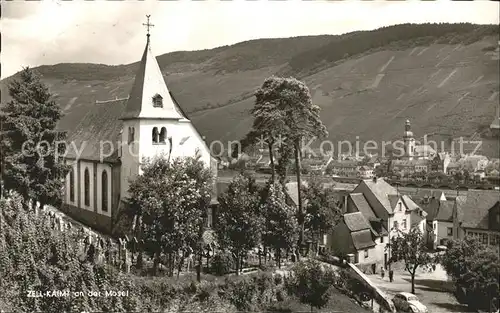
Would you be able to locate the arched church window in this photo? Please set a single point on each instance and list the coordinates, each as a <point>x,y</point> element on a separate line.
<point>86,183</point>
<point>129,140</point>
<point>132,134</point>
<point>163,134</point>
<point>72,185</point>
<point>158,101</point>
<point>155,134</point>
<point>104,194</point>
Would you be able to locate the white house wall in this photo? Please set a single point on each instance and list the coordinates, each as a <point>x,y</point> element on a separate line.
<point>399,216</point>
<point>440,229</point>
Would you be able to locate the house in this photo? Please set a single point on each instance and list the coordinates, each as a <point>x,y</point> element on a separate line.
<point>440,162</point>
<point>316,165</point>
<point>425,196</point>
<point>387,211</point>
<point>440,219</point>
<point>344,168</point>
<point>354,236</point>
<point>474,163</point>
<point>478,215</point>
<point>454,167</point>
<point>475,214</point>
<point>365,172</point>
<point>112,138</point>
<point>410,167</point>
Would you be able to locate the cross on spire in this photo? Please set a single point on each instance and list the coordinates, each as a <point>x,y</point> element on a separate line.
<point>148,25</point>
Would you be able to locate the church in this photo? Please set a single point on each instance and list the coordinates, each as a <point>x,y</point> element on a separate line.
<point>109,141</point>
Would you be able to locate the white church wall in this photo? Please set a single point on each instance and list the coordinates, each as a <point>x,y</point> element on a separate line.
<point>102,167</point>
<point>129,155</point>
<point>178,131</point>
<point>74,168</point>
<point>90,166</point>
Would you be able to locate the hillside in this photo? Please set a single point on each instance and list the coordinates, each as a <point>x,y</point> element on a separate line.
<point>444,77</point>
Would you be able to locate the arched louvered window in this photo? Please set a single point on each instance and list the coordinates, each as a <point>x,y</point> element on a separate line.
<point>72,185</point>
<point>163,134</point>
<point>131,134</point>
<point>155,134</point>
<point>104,193</point>
<point>86,183</point>
<point>158,101</point>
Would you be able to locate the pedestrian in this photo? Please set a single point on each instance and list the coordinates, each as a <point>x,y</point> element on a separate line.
<point>391,275</point>
<point>382,272</point>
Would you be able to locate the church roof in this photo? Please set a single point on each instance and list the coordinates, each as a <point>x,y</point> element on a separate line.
<point>88,128</point>
<point>149,83</point>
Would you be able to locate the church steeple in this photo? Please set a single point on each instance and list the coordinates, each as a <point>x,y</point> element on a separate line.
<point>149,97</point>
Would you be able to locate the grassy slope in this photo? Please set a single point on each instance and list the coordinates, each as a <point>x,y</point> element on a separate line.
<point>412,64</point>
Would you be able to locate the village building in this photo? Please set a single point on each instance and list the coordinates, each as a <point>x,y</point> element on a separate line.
<point>387,212</point>
<point>440,162</point>
<point>108,143</point>
<point>409,167</point>
<point>344,168</point>
<point>365,172</point>
<point>476,214</point>
<point>354,236</point>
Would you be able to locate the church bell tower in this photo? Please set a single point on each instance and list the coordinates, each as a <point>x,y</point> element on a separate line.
<point>409,141</point>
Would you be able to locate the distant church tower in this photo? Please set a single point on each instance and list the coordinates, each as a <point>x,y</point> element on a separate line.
<point>409,141</point>
<point>154,123</point>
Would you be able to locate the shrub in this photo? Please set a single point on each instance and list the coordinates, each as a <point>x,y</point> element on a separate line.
<point>310,283</point>
<point>222,264</point>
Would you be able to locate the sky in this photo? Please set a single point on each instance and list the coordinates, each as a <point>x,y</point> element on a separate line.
<point>111,32</point>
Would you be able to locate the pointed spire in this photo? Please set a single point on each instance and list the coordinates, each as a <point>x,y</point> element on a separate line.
<point>149,96</point>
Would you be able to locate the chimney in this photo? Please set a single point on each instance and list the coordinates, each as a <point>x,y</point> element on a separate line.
<point>345,204</point>
<point>374,179</point>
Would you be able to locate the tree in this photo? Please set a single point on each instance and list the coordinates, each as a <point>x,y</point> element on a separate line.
<point>474,269</point>
<point>171,200</point>
<point>322,212</point>
<point>268,119</point>
<point>239,223</point>
<point>310,282</point>
<point>280,230</point>
<point>411,248</point>
<point>31,146</point>
<point>290,100</point>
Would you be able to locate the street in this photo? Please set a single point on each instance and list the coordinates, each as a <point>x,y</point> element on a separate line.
<point>432,288</point>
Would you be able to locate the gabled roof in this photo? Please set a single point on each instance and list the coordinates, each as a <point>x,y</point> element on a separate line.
<point>445,211</point>
<point>362,239</point>
<point>381,190</point>
<point>473,208</point>
<point>356,221</point>
<point>410,204</point>
<point>87,128</point>
<point>393,199</point>
<point>363,206</point>
<point>148,83</point>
